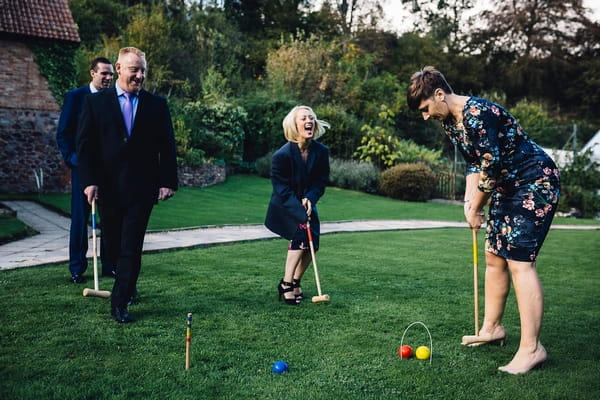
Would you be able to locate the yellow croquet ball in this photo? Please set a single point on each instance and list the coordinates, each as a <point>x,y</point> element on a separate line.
<point>422,352</point>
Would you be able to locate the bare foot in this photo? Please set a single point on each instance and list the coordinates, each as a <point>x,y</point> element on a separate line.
<point>497,335</point>
<point>525,361</point>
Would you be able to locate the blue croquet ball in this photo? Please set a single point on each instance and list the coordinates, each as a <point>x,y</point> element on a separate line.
<point>279,367</point>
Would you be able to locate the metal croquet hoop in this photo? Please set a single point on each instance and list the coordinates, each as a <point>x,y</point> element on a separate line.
<point>430,341</point>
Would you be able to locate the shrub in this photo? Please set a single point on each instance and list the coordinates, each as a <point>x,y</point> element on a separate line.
<point>412,182</point>
<point>186,155</point>
<point>381,146</point>
<point>344,135</point>
<point>354,175</point>
<point>263,165</point>
<point>539,125</point>
<point>216,128</point>
<point>263,130</point>
<point>580,182</point>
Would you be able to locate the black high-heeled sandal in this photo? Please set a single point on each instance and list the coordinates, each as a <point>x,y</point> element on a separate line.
<point>290,288</point>
<point>296,285</point>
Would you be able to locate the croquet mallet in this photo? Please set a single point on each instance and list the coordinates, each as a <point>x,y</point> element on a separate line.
<point>321,297</point>
<point>475,282</point>
<point>95,292</point>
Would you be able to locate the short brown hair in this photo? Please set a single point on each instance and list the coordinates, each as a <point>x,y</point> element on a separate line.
<point>423,84</point>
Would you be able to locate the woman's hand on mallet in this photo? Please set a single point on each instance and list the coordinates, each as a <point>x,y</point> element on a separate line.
<point>306,204</point>
<point>475,218</point>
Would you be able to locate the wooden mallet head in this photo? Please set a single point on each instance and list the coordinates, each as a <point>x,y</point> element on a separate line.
<point>320,299</point>
<point>105,294</point>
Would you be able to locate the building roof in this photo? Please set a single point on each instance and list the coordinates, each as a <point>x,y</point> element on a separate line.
<point>50,19</point>
<point>594,146</point>
<point>563,158</point>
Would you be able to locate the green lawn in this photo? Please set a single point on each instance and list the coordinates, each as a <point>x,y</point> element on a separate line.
<point>243,199</point>
<point>56,344</point>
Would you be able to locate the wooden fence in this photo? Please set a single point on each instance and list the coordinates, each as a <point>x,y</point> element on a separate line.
<point>449,186</point>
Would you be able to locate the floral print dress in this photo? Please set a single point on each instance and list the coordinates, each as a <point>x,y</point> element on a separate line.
<point>523,179</point>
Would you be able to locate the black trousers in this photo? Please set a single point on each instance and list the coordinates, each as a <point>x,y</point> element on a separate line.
<point>125,228</point>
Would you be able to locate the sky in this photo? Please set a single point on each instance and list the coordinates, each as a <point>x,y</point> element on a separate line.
<point>399,21</point>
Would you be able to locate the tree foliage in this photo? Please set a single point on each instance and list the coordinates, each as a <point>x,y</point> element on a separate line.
<point>98,18</point>
<point>381,147</point>
<point>217,128</point>
<point>534,47</point>
<point>443,20</point>
<point>255,59</point>
<point>56,62</point>
<point>580,183</point>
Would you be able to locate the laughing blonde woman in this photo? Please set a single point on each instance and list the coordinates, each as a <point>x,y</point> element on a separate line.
<point>299,175</point>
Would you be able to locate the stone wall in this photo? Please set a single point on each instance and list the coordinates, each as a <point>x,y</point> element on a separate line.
<point>28,119</point>
<point>28,147</point>
<point>201,176</point>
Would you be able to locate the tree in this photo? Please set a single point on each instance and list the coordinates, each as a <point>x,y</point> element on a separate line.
<point>357,14</point>
<point>220,45</point>
<point>98,18</point>
<point>533,28</point>
<point>263,23</point>
<point>442,20</point>
<point>303,68</point>
<point>530,43</point>
<point>170,50</point>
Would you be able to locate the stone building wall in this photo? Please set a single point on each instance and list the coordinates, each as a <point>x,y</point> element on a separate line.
<point>28,119</point>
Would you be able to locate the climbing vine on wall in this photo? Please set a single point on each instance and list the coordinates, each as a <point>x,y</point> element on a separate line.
<point>56,61</point>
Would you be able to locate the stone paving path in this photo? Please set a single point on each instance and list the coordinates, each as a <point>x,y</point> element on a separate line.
<point>51,245</point>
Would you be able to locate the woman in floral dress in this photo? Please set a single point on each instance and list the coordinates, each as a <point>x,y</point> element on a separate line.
<point>521,183</point>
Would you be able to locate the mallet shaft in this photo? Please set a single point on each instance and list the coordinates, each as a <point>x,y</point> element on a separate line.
<point>321,297</point>
<point>95,292</point>
<point>188,341</point>
<point>94,249</point>
<point>475,283</point>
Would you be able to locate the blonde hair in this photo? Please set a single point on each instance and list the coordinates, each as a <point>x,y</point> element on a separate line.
<point>289,124</point>
<point>127,50</point>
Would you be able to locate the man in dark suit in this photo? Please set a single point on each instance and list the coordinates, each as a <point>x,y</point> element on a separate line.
<point>102,76</point>
<point>127,159</point>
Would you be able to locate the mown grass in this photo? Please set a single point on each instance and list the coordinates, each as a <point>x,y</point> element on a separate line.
<point>12,228</point>
<point>243,199</point>
<point>56,344</point>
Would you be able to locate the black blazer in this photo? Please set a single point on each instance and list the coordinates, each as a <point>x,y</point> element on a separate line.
<point>293,180</point>
<point>66,133</point>
<point>126,169</point>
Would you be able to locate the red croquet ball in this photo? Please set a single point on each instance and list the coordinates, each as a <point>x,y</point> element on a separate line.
<point>405,351</point>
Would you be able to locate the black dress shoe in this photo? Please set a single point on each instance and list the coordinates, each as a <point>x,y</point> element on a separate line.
<point>120,315</point>
<point>76,278</point>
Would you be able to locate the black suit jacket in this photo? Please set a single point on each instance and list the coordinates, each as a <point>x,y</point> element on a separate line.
<point>66,133</point>
<point>293,180</point>
<point>126,169</point>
